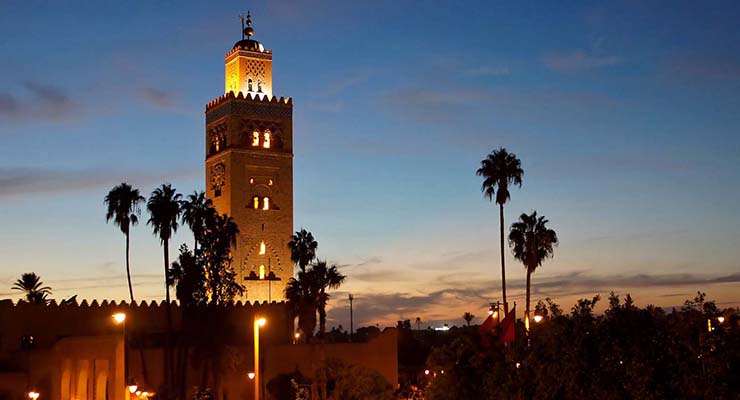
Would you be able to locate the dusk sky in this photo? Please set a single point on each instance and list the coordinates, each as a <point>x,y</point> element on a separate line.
<point>626,118</point>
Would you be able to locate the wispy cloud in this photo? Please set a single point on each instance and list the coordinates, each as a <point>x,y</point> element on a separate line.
<point>25,181</point>
<point>705,67</point>
<point>487,70</point>
<point>39,103</point>
<point>577,61</point>
<point>157,97</point>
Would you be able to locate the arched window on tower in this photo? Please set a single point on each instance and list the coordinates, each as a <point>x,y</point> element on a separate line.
<point>259,86</point>
<point>266,142</point>
<point>262,272</point>
<point>249,85</point>
<point>256,202</point>
<point>266,203</point>
<point>262,248</point>
<point>255,138</point>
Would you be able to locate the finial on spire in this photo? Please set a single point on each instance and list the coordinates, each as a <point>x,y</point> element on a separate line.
<point>249,31</point>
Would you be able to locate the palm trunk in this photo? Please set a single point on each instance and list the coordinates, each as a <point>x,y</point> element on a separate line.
<point>128,270</point>
<point>169,318</point>
<point>503,267</point>
<point>526,310</point>
<point>322,320</point>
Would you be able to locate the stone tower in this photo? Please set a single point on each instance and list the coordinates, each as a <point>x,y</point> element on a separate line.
<point>249,167</point>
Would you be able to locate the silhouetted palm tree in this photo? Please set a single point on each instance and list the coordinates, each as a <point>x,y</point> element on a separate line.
<point>324,277</point>
<point>302,298</point>
<point>418,323</point>
<point>303,248</point>
<point>195,210</point>
<point>123,208</point>
<point>31,285</point>
<point>532,243</point>
<point>500,169</point>
<point>468,317</point>
<point>164,211</point>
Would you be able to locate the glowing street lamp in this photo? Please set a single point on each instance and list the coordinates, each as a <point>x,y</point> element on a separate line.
<point>258,322</point>
<point>132,387</point>
<point>537,319</point>
<point>720,319</point>
<point>250,375</point>
<point>120,319</point>
<point>33,395</point>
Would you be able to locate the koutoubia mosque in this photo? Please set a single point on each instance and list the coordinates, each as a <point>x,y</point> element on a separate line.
<point>75,351</point>
<point>249,167</point>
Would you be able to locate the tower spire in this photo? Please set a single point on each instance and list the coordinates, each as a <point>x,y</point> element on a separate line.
<point>248,31</point>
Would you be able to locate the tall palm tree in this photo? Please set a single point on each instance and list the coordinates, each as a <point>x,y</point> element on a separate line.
<point>532,243</point>
<point>123,208</point>
<point>195,210</point>
<point>31,285</point>
<point>164,211</point>
<point>324,277</point>
<point>302,298</point>
<point>418,323</point>
<point>499,170</point>
<point>468,317</point>
<point>303,248</point>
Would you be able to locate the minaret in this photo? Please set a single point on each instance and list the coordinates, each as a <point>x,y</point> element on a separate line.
<point>249,167</point>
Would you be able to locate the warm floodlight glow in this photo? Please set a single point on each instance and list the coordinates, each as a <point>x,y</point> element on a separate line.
<point>255,139</point>
<point>266,142</point>
<point>262,272</point>
<point>426,372</point>
<point>266,203</point>
<point>251,375</point>
<point>262,248</point>
<point>260,322</point>
<point>490,312</point>
<point>33,395</point>
<point>119,317</point>
<point>132,388</point>
<point>721,319</point>
<point>537,318</point>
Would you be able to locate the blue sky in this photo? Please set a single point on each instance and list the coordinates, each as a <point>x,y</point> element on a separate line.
<point>626,118</point>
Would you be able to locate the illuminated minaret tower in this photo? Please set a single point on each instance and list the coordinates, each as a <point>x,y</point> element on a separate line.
<point>249,167</point>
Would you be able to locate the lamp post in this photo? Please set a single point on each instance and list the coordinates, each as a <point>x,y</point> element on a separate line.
<point>258,322</point>
<point>351,317</point>
<point>33,395</point>
<point>120,319</point>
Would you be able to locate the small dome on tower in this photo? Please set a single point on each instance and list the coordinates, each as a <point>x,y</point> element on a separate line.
<point>248,32</point>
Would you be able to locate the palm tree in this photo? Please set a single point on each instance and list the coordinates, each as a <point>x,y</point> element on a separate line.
<point>164,211</point>
<point>418,323</point>
<point>31,284</point>
<point>324,277</point>
<point>500,169</point>
<point>532,243</point>
<point>195,210</point>
<point>303,248</point>
<point>302,298</point>
<point>468,317</point>
<point>123,208</point>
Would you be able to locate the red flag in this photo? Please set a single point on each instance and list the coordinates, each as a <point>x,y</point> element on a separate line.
<point>507,327</point>
<point>490,324</point>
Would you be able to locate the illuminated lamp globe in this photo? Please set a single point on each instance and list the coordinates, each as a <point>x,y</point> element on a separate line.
<point>537,318</point>
<point>251,375</point>
<point>119,317</point>
<point>260,322</point>
<point>721,319</point>
<point>33,395</point>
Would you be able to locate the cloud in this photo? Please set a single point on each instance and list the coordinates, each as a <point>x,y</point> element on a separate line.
<point>42,102</point>
<point>486,70</point>
<point>157,97</point>
<point>451,295</point>
<point>435,105</point>
<point>577,61</point>
<point>705,67</point>
<point>25,181</point>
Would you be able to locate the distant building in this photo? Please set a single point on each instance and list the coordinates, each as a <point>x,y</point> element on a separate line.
<point>249,167</point>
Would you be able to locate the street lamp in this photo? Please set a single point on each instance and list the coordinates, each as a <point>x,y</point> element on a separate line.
<point>33,395</point>
<point>537,318</point>
<point>721,319</point>
<point>120,319</point>
<point>258,322</point>
<point>250,375</point>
